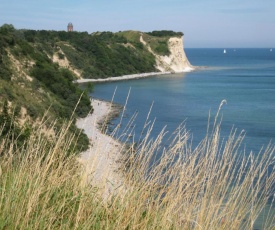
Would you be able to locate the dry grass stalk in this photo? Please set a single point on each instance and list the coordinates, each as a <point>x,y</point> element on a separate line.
<point>212,186</point>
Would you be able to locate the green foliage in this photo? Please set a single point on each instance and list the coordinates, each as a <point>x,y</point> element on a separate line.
<point>6,39</point>
<point>10,130</point>
<point>165,33</point>
<point>26,48</point>
<point>139,45</point>
<point>5,71</point>
<point>162,48</point>
<point>158,40</point>
<point>98,55</point>
<point>60,82</point>
<point>104,54</point>
<point>60,55</point>
<point>158,44</point>
<point>30,35</point>
<point>81,142</point>
<point>131,35</point>
<point>6,34</point>
<point>7,29</point>
<point>51,89</point>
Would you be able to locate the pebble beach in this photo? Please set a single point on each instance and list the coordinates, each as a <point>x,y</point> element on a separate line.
<point>101,161</point>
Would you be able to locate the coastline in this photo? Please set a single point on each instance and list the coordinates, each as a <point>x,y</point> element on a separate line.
<point>131,76</point>
<point>101,162</point>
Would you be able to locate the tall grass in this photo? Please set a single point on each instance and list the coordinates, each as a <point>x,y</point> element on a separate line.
<point>211,186</point>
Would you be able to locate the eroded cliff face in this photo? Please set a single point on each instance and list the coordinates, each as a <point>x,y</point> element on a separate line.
<point>176,61</point>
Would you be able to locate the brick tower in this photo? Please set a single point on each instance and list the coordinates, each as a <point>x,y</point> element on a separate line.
<point>70,27</point>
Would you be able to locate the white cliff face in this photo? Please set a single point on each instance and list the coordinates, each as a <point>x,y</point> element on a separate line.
<point>176,61</point>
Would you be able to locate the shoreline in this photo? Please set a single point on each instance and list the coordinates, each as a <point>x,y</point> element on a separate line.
<point>132,76</point>
<point>101,162</point>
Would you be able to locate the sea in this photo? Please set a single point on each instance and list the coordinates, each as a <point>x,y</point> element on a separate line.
<point>244,79</point>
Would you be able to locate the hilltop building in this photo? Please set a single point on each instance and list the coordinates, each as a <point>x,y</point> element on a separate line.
<point>70,27</point>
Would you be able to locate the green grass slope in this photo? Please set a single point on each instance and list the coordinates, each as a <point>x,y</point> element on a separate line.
<point>96,55</point>
<point>32,85</point>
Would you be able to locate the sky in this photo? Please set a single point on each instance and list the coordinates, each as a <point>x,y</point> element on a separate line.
<point>205,23</point>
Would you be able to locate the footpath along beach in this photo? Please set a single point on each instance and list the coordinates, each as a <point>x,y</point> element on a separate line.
<point>101,160</point>
<point>132,76</point>
<point>121,78</point>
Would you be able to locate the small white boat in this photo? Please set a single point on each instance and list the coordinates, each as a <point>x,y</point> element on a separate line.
<point>270,50</point>
<point>224,51</point>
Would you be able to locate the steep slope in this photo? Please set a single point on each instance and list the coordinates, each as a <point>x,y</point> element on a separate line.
<point>166,47</point>
<point>60,58</point>
<point>37,68</point>
<point>107,54</point>
<point>97,55</point>
<point>175,61</point>
<point>36,91</point>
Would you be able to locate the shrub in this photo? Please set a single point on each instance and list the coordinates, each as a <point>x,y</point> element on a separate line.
<point>165,33</point>
<point>162,48</point>
<point>60,55</point>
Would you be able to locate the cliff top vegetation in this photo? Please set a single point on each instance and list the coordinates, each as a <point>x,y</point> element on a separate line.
<point>165,33</point>
<point>32,83</point>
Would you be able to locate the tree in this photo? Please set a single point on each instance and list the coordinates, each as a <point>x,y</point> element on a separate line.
<point>7,29</point>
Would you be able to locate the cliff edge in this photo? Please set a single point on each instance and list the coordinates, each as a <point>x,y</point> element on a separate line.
<point>176,61</point>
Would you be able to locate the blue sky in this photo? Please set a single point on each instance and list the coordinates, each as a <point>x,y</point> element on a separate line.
<point>205,23</point>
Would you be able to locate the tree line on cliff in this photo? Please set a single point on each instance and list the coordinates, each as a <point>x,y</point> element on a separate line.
<point>98,55</point>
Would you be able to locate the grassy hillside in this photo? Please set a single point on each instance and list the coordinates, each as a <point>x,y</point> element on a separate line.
<point>43,185</point>
<point>97,55</point>
<point>37,68</point>
<point>157,40</point>
<point>31,85</point>
<point>102,54</point>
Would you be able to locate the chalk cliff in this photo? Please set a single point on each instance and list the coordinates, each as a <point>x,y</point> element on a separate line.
<point>176,61</point>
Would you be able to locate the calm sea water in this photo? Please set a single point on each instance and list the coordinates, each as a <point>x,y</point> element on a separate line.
<point>245,78</point>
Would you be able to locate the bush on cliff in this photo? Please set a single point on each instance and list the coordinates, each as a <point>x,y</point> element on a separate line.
<point>165,33</point>
<point>102,54</point>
